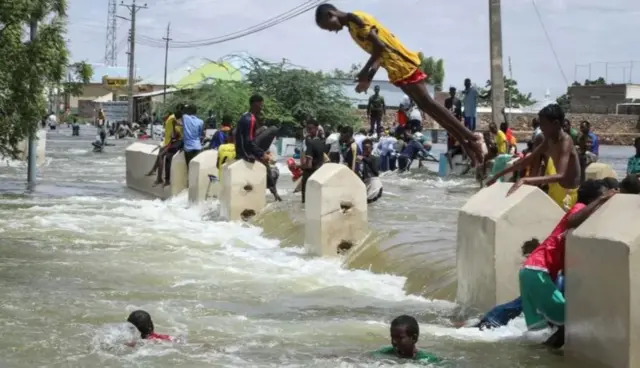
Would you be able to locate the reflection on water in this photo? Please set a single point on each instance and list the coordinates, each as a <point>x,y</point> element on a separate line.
<point>83,251</point>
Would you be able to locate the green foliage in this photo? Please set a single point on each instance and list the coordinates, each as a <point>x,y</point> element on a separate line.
<point>292,96</point>
<point>511,94</point>
<point>27,67</point>
<point>434,69</point>
<point>352,73</point>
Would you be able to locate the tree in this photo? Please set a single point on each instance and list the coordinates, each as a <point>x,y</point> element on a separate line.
<point>513,96</point>
<point>352,73</point>
<point>434,69</point>
<point>292,96</point>
<point>27,67</point>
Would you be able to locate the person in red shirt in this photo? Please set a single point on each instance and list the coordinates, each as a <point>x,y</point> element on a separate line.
<point>542,302</point>
<point>142,320</point>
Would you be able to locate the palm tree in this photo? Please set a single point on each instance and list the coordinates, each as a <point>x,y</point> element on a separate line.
<point>434,69</point>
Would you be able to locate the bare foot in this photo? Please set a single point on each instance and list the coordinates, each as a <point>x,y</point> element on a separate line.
<point>151,173</point>
<point>157,182</point>
<point>167,183</point>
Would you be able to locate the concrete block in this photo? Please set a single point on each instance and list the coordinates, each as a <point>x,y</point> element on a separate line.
<point>41,148</point>
<point>602,286</point>
<point>335,210</point>
<point>491,229</point>
<point>242,190</point>
<point>140,158</point>
<point>598,170</point>
<point>200,167</point>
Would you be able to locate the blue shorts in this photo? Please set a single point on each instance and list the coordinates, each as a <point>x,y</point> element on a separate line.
<point>470,123</point>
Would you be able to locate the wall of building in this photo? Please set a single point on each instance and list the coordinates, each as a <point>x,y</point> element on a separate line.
<point>598,99</point>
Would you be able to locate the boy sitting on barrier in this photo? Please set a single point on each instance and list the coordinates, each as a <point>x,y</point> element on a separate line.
<point>542,302</point>
<point>226,153</point>
<point>404,333</point>
<point>557,145</point>
<point>172,143</point>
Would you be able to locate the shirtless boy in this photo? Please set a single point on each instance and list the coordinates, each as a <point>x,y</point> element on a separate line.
<point>402,66</point>
<point>556,144</point>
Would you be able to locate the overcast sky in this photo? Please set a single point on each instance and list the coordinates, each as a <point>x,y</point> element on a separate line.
<point>582,32</point>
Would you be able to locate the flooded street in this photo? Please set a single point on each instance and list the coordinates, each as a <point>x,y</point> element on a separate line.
<point>83,251</point>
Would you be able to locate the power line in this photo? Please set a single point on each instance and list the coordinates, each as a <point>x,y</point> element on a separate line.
<point>553,50</point>
<point>283,17</point>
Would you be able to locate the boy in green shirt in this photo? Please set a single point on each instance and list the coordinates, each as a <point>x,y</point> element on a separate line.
<point>404,336</point>
<point>633,165</point>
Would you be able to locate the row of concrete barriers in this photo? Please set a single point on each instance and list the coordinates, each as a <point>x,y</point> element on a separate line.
<point>602,288</point>
<point>335,211</point>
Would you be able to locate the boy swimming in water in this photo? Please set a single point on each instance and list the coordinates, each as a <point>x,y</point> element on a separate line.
<point>144,324</point>
<point>404,333</point>
<point>402,66</point>
<point>556,145</point>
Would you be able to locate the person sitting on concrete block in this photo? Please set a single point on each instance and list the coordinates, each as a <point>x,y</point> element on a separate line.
<point>542,302</point>
<point>245,136</point>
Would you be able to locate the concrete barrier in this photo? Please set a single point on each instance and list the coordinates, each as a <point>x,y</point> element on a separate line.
<point>335,210</point>
<point>602,286</point>
<point>140,158</point>
<point>598,170</point>
<point>242,190</point>
<point>41,148</point>
<point>491,230</point>
<point>200,167</point>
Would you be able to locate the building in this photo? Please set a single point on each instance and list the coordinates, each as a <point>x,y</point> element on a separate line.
<point>606,99</point>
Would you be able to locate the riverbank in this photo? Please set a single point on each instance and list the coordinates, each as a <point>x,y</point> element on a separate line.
<point>615,130</point>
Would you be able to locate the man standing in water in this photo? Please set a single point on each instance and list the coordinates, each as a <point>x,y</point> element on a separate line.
<point>470,105</point>
<point>375,111</point>
<point>246,147</point>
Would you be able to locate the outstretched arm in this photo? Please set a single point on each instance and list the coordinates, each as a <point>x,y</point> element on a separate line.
<point>520,164</point>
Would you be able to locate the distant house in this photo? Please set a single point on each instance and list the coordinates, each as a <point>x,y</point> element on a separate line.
<point>606,99</point>
<point>392,94</point>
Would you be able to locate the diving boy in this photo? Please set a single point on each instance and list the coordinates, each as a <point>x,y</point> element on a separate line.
<point>404,333</point>
<point>401,64</point>
<point>557,145</point>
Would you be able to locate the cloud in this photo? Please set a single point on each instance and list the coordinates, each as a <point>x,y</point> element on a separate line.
<point>581,31</point>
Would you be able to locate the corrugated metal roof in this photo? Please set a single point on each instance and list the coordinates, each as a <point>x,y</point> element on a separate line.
<point>392,94</point>
<point>196,65</point>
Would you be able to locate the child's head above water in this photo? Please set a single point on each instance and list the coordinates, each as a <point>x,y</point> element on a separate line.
<point>551,120</point>
<point>142,321</point>
<point>404,335</point>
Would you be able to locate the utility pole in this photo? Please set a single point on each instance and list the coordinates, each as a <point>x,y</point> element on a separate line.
<point>509,91</point>
<point>133,10</point>
<point>166,62</point>
<point>497,72</point>
<point>33,144</point>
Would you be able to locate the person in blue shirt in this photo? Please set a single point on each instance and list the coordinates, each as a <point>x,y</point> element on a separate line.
<point>220,136</point>
<point>413,149</point>
<point>589,136</point>
<point>246,147</point>
<point>192,133</point>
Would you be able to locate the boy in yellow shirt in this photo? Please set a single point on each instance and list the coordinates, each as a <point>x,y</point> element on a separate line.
<point>402,66</point>
<point>226,153</point>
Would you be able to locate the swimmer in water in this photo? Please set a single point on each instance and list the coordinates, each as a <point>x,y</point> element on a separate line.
<point>144,324</point>
<point>404,333</point>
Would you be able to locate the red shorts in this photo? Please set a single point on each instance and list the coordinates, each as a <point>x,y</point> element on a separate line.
<point>417,76</point>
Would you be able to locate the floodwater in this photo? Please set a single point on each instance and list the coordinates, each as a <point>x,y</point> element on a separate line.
<point>82,251</point>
